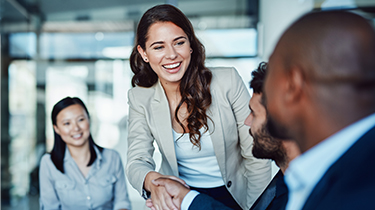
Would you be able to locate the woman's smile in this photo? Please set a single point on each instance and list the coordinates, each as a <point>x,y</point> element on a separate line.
<point>172,68</point>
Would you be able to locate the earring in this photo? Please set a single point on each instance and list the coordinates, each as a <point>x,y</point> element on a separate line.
<point>146,59</point>
<point>191,50</point>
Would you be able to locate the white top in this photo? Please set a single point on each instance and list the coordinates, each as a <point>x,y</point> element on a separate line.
<point>198,168</point>
<point>304,172</point>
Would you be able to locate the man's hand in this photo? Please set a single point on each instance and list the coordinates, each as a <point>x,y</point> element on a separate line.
<point>161,199</point>
<point>174,188</point>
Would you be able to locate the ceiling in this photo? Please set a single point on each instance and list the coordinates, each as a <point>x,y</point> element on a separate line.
<point>59,15</point>
<point>122,15</point>
<point>63,10</point>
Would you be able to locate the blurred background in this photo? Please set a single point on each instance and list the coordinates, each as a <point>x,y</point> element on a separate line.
<point>51,49</point>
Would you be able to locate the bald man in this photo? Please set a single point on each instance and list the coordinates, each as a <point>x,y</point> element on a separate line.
<point>320,91</point>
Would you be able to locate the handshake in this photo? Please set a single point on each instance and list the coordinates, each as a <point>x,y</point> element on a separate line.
<point>168,193</point>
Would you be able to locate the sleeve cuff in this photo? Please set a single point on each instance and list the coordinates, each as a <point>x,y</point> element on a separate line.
<point>188,199</point>
<point>146,195</point>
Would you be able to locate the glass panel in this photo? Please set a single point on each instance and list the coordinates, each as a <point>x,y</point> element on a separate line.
<point>22,45</point>
<point>229,42</point>
<point>85,45</point>
<point>22,107</point>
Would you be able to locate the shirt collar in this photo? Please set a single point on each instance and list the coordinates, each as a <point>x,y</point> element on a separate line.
<point>67,156</point>
<point>99,157</point>
<point>307,169</point>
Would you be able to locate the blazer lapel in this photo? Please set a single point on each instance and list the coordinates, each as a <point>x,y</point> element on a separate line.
<point>216,131</point>
<point>267,195</point>
<point>163,124</point>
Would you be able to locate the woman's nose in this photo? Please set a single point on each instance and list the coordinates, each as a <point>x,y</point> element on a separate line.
<point>76,127</point>
<point>171,53</point>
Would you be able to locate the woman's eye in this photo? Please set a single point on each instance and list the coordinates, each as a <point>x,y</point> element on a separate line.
<point>81,119</point>
<point>181,43</point>
<point>66,123</point>
<point>158,48</point>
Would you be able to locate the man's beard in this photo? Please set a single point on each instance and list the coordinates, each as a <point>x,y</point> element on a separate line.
<point>267,147</point>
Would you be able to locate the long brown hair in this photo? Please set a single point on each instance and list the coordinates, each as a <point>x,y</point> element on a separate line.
<point>194,85</point>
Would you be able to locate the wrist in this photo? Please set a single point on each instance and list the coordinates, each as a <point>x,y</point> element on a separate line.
<point>147,184</point>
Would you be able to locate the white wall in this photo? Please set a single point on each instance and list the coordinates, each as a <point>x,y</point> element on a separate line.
<point>274,17</point>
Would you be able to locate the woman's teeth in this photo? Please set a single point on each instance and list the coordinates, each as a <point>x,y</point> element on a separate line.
<point>172,66</point>
<point>77,136</point>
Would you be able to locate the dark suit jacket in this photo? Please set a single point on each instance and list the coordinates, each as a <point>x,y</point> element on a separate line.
<point>205,202</point>
<point>350,182</point>
<point>274,197</point>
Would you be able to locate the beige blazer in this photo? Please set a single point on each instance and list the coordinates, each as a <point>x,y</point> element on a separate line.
<point>149,120</point>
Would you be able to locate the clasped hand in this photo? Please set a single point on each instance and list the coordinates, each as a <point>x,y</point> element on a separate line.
<point>167,193</point>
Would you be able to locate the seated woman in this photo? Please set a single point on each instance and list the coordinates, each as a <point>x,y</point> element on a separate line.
<point>195,114</point>
<point>78,174</point>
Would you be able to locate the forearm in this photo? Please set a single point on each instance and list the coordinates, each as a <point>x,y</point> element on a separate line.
<point>140,150</point>
<point>136,174</point>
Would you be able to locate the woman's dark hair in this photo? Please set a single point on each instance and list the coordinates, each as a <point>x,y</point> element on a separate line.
<point>194,85</point>
<point>58,151</point>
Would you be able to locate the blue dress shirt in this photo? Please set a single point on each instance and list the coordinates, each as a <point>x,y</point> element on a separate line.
<point>103,188</point>
<point>305,171</point>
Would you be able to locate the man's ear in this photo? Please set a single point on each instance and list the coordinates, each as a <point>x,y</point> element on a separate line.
<point>142,53</point>
<point>296,84</point>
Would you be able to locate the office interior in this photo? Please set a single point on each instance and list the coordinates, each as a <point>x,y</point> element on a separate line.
<point>51,49</point>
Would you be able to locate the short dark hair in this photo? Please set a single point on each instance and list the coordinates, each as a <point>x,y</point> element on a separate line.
<point>258,76</point>
<point>58,151</point>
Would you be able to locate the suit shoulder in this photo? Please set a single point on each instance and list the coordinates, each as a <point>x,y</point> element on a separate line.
<point>144,91</point>
<point>223,71</point>
<point>141,95</point>
<point>224,77</point>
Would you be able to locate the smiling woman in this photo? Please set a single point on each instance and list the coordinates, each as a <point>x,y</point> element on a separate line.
<point>195,114</point>
<point>78,174</point>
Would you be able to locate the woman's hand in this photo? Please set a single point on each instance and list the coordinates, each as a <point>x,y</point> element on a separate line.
<point>161,200</point>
